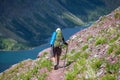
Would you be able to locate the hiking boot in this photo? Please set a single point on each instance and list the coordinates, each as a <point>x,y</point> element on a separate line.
<point>55,67</point>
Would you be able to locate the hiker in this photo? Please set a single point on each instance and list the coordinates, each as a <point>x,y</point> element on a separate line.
<point>56,42</point>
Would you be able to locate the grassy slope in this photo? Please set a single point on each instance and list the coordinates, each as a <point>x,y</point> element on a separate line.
<point>25,21</point>
<point>10,44</point>
<point>97,50</point>
<point>94,53</point>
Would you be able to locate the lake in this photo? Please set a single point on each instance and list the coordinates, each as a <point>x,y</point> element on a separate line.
<point>8,58</point>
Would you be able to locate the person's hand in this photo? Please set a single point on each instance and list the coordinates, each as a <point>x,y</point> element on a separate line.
<point>51,45</point>
<point>66,43</point>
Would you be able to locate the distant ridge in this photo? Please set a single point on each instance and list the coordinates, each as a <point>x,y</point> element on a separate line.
<point>30,23</point>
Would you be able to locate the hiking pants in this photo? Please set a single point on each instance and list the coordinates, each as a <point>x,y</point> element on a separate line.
<point>56,53</point>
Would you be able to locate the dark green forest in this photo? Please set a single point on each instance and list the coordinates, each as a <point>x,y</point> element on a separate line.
<point>29,23</point>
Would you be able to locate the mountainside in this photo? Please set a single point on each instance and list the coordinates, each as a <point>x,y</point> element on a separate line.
<point>93,54</point>
<point>30,23</point>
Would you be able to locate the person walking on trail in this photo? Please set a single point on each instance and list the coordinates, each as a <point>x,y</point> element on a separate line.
<point>56,42</point>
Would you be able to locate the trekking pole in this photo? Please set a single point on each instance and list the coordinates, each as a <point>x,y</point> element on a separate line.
<point>65,57</point>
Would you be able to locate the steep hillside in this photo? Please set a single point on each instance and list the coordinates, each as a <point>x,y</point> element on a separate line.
<point>30,22</point>
<point>93,54</point>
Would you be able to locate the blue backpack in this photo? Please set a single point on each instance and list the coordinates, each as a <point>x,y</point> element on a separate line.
<point>53,38</point>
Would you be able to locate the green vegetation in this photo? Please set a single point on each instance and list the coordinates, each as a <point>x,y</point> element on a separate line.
<point>114,38</point>
<point>28,69</point>
<point>45,63</point>
<point>10,44</point>
<point>84,47</point>
<point>110,49</point>
<point>114,48</point>
<point>42,77</point>
<point>97,59</point>
<point>85,55</point>
<point>117,15</point>
<point>73,51</point>
<point>42,64</point>
<point>77,68</point>
<point>74,56</point>
<point>33,73</point>
<point>100,40</point>
<point>71,75</point>
<point>112,68</point>
<point>91,66</point>
<point>112,71</point>
<point>96,63</point>
<point>71,17</point>
<point>117,51</point>
<point>24,28</point>
<point>45,53</point>
<point>89,37</point>
<point>109,77</point>
<point>102,18</point>
<point>84,65</point>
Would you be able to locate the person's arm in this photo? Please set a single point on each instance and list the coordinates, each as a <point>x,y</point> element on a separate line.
<point>64,41</point>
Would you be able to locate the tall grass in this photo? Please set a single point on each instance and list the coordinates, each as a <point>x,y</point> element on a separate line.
<point>109,77</point>
<point>117,15</point>
<point>84,47</point>
<point>100,40</point>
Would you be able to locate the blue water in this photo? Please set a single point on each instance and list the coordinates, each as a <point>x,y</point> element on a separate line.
<point>8,58</point>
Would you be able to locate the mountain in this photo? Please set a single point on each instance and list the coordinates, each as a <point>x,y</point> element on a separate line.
<point>93,54</point>
<point>30,23</point>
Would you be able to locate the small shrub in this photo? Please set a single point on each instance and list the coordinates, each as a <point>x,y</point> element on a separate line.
<point>112,68</point>
<point>76,69</point>
<point>111,48</point>
<point>100,41</point>
<point>64,56</point>
<point>96,63</point>
<point>70,76</point>
<point>42,76</point>
<point>73,51</point>
<point>45,53</point>
<point>115,38</point>
<point>85,55</point>
<point>26,76</point>
<point>35,70</point>
<point>82,61</point>
<point>82,65</point>
<point>103,18</point>
<point>117,52</point>
<point>76,56</point>
<point>117,15</point>
<point>109,77</point>
<point>46,63</point>
<point>84,47</point>
<point>69,62</point>
<point>79,67</point>
<point>64,46</point>
<point>89,37</point>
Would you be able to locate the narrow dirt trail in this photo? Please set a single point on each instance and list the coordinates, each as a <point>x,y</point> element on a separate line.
<point>57,74</point>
